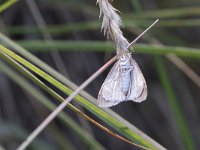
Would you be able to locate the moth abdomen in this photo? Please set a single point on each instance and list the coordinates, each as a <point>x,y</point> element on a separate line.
<point>125,78</point>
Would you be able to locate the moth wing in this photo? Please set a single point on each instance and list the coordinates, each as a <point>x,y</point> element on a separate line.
<point>138,89</point>
<point>110,93</point>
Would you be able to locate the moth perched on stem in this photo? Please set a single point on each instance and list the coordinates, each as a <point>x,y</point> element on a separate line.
<point>125,81</point>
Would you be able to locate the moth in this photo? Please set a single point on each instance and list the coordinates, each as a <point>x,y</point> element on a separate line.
<point>124,82</point>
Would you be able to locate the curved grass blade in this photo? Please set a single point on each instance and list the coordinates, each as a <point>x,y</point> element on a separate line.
<point>82,134</point>
<point>107,115</point>
<point>98,46</point>
<point>144,140</point>
<point>53,93</point>
<point>165,13</point>
<point>7,4</point>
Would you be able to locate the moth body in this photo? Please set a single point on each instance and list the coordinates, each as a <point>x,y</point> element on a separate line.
<point>125,74</point>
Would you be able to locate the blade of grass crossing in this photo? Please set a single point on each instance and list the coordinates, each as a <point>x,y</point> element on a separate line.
<point>6,5</point>
<point>99,46</point>
<point>95,110</point>
<point>58,97</point>
<point>107,115</point>
<point>84,136</point>
<point>165,13</point>
<point>95,25</point>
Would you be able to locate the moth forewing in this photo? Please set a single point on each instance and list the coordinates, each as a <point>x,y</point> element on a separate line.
<point>110,93</point>
<point>138,88</point>
<point>104,103</point>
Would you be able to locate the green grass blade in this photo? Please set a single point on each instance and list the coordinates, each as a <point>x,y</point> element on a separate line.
<point>95,25</point>
<point>56,29</point>
<point>98,46</point>
<point>92,108</point>
<point>107,115</point>
<point>163,23</point>
<point>83,135</point>
<point>175,106</point>
<point>165,13</point>
<point>6,5</point>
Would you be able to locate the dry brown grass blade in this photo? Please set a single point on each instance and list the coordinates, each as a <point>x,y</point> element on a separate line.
<point>109,131</point>
<point>180,64</point>
<point>184,68</point>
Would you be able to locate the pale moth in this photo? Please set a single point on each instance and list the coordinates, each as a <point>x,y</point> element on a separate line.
<point>124,82</point>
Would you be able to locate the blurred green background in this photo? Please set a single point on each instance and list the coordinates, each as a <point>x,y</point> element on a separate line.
<point>66,34</point>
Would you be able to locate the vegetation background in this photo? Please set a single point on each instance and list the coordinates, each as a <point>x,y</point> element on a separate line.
<point>66,35</point>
